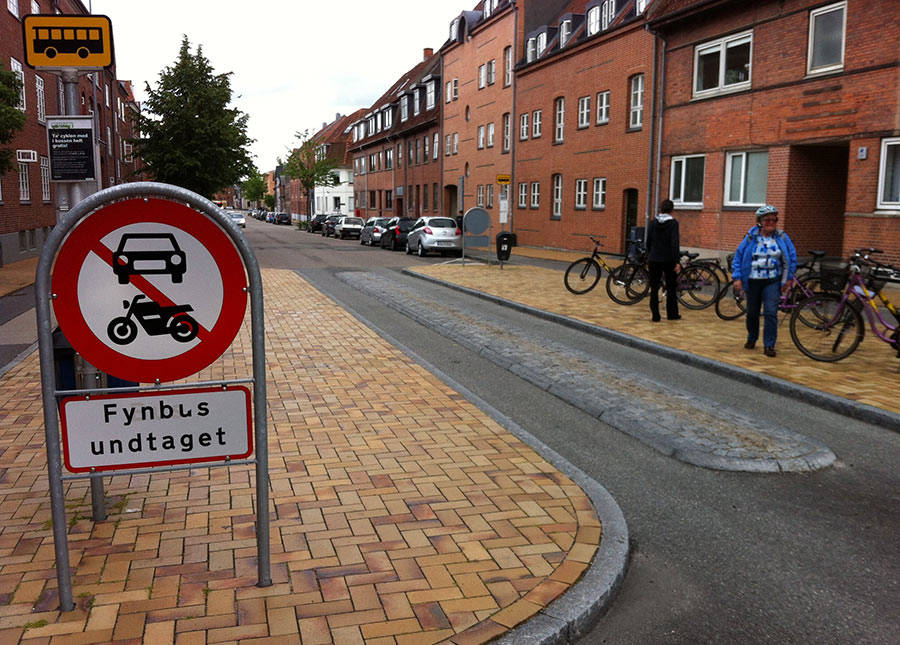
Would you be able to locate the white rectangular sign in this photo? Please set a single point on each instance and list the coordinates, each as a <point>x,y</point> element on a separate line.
<point>120,431</point>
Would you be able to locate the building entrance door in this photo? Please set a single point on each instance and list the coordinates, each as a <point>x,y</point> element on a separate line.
<point>630,206</point>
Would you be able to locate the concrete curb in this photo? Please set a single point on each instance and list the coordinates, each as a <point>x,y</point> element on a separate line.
<point>575,612</point>
<point>831,402</point>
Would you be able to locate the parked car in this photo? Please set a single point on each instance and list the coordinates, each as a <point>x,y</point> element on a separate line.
<point>329,224</point>
<point>394,235</point>
<point>434,234</point>
<point>315,224</point>
<point>283,218</point>
<point>348,227</point>
<point>238,218</point>
<point>270,218</point>
<point>371,233</point>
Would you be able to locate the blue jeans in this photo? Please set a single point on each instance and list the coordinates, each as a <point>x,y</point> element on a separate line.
<point>765,294</point>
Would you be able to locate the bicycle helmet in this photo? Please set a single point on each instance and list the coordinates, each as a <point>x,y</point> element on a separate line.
<point>765,210</point>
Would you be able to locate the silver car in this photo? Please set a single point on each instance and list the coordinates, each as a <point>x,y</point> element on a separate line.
<point>348,227</point>
<point>372,231</point>
<point>434,234</point>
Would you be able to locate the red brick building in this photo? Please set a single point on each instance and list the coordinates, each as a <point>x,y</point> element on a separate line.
<point>395,147</point>
<point>478,93</point>
<point>28,199</point>
<point>790,102</point>
<point>583,123</point>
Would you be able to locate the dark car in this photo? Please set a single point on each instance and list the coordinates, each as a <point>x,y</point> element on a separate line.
<point>394,235</point>
<point>148,253</point>
<point>283,218</point>
<point>329,224</point>
<point>315,224</point>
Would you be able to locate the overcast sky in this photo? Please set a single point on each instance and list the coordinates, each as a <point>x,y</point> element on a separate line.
<point>294,63</point>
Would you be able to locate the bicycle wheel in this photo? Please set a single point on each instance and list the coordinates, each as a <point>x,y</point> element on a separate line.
<point>628,284</point>
<point>731,305</point>
<point>835,338</point>
<point>698,287</point>
<point>582,276</point>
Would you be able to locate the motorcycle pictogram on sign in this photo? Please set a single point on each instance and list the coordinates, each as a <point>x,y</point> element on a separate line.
<point>155,319</point>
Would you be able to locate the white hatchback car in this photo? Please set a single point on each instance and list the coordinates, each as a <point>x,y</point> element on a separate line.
<point>348,227</point>
<point>434,234</point>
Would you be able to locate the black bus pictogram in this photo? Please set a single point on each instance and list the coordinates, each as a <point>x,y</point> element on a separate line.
<point>82,41</point>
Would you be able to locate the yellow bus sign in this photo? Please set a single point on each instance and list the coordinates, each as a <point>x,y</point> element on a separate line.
<point>67,42</point>
<point>504,179</point>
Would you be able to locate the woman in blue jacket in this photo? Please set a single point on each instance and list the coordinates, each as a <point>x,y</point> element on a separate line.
<point>764,264</point>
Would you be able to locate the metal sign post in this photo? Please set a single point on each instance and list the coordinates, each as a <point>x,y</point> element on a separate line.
<point>197,343</point>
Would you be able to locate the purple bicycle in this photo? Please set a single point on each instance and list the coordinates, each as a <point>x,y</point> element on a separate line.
<point>829,326</point>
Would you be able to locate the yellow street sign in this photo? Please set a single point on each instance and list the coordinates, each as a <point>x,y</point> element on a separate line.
<point>67,42</point>
<point>503,179</point>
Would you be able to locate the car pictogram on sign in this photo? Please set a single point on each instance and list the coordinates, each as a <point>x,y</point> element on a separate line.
<point>148,253</point>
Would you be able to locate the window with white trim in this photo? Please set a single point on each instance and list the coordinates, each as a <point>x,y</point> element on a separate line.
<point>13,6</point>
<point>448,92</point>
<point>523,126</point>
<point>490,135</point>
<point>593,21</point>
<point>24,185</point>
<point>507,67</point>
<point>599,196</point>
<point>399,155</point>
<point>507,131</point>
<point>535,194</point>
<point>491,71</point>
<point>602,107</point>
<point>480,137</point>
<point>746,178</point>
<point>889,174</point>
<point>565,32</point>
<point>686,180</point>
<point>723,65</point>
<point>106,93</point>
<point>35,7</point>
<point>41,99</point>
<point>404,108</point>
<point>608,11</point>
<point>523,194</point>
<point>490,196</point>
<point>482,76</point>
<point>530,49</point>
<point>557,195</point>
<point>584,111</point>
<point>480,201</point>
<point>436,145</point>
<point>388,118</point>
<point>426,141</point>
<point>541,43</point>
<point>536,123</point>
<point>389,159</point>
<point>447,146</point>
<point>560,120</point>
<point>455,142</point>
<point>641,5</point>
<point>455,88</point>
<point>581,194</point>
<point>45,179</point>
<point>416,101</point>
<point>827,28</point>
<point>454,29</point>
<point>636,107</point>
<point>16,68</point>
<point>429,95</point>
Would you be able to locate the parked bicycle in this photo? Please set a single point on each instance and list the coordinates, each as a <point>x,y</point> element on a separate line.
<point>584,274</point>
<point>840,328</point>
<point>804,283</point>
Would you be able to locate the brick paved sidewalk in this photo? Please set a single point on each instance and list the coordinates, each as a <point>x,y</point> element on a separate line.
<point>869,375</point>
<point>400,512</point>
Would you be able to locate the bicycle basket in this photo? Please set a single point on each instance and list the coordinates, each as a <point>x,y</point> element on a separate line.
<point>877,278</point>
<point>833,275</point>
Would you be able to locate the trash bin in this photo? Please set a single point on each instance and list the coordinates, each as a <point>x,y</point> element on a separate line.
<point>505,242</point>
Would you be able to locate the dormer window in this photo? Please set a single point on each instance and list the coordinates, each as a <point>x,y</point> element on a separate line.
<point>404,108</point>
<point>429,95</point>
<point>387,118</point>
<point>416,102</point>
<point>608,12</point>
<point>641,5</point>
<point>530,49</point>
<point>565,32</point>
<point>454,30</point>
<point>541,43</point>
<point>593,21</point>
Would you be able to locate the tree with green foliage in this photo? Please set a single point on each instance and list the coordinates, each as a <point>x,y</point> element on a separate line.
<point>254,188</point>
<point>12,119</point>
<point>189,136</point>
<point>311,168</point>
<point>269,200</point>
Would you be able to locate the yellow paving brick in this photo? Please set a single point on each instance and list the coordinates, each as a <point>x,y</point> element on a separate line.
<point>160,633</point>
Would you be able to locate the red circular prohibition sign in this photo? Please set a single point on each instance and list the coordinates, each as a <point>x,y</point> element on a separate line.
<point>87,236</point>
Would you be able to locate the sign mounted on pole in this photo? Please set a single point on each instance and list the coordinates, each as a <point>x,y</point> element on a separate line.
<point>149,290</point>
<point>67,41</point>
<point>504,180</point>
<point>70,140</point>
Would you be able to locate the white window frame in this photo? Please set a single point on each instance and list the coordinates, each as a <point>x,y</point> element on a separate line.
<point>41,99</point>
<point>455,88</point>
<point>557,184</point>
<point>507,132</point>
<point>480,199</point>
<point>535,194</point>
<point>482,76</point>
<point>490,196</point>
<point>447,146</point>
<point>530,49</point>
<point>16,67</point>
<point>35,7</point>
<point>13,6</point>
<point>455,142</point>
<point>677,193</point>
<point>603,107</point>
<point>640,6</point>
<point>491,71</point>
<point>389,159</point>
<point>523,126</point>
<point>593,21</point>
<point>565,31</point>
<point>507,67</point>
<point>429,95</point>
<point>417,104</point>
<point>448,92</point>
<point>722,46</point>
<point>584,111</point>
<point>581,194</point>
<point>404,108</point>
<point>813,14</point>
<point>24,184</point>
<point>426,144</point>
<point>888,204</point>
<point>729,200</point>
<point>490,135</point>
<point>608,13</point>
<point>598,201</point>
<point>559,122</point>
<point>480,137</point>
<point>541,43</point>
<point>388,118</point>
<point>436,145</point>
<point>45,179</point>
<point>523,194</point>
<point>636,105</point>
<point>536,119</point>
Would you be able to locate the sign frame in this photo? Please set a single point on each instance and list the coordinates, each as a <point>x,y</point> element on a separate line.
<point>79,125</point>
<point>504,180</point>
<point>81,32</point>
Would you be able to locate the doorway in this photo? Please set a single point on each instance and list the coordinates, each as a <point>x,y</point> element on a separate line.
<point>630,206</point>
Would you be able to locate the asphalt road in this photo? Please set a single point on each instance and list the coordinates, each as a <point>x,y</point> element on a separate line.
<point>716,556</point>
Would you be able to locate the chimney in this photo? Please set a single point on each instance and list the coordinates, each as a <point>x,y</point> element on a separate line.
<point>324,125</point>
<point>428,53</point>
<point>337,116</point>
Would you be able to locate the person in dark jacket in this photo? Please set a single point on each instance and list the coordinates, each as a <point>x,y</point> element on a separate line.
<point>663,252</point>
